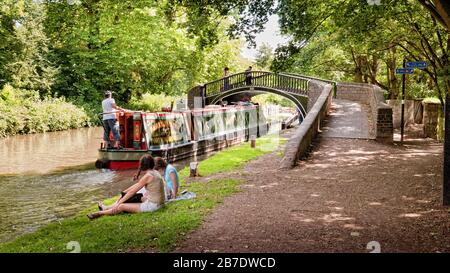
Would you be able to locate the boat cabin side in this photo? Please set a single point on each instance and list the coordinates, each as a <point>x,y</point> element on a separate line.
<point>177,135</point>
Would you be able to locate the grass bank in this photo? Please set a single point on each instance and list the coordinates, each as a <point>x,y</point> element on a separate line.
<point>159,230</point>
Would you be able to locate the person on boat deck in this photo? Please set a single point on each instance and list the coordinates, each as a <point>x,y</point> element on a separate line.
<point>110,122</point>
<point>170,177</point>
<point>226,80</point>
<point>153,198</point>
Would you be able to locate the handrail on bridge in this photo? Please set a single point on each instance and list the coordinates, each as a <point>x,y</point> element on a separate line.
<point>288,83</point>
<point>334,83</point>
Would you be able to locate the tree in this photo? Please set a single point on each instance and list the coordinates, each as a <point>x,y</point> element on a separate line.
<point>264,56</point>
<point>25,58</point>
<point>8,41</point>
<point>205,17</point>
<point>374,38</point>
<point>135,47</point>
<point>31,68</point>
<point>440,10</point>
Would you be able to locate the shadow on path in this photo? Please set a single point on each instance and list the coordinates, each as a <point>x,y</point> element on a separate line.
<point>348,193</point>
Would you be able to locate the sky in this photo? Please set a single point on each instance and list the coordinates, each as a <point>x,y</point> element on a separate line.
<point>271,35</point>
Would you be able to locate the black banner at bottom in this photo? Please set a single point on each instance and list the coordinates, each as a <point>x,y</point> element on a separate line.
<point>221,262</point>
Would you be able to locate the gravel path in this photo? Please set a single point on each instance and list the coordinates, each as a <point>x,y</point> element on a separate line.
<point>348,193</point>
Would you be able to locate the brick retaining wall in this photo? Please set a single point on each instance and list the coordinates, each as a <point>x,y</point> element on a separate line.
<point>430,119</point>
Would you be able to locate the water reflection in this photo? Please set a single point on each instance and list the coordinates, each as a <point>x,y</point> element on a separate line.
<point>42,153</point>
<point>30,201</point>
<point>49,177</point>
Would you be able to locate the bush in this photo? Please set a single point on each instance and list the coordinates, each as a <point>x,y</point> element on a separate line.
<point>151,102</point>
<point>418,91</point>
<point>22,113</point>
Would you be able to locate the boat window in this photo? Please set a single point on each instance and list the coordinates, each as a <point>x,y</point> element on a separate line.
<point>213,124</point>
<point>240,120</point>
<point>168,129</point>
<point>230,121</point>
<point>198,125</point>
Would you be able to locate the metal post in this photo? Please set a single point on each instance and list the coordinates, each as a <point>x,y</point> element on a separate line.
<point>193,169</point>
<point>446,185</point>
<point>334,89</point>
<point>253,141</point>
<point>402,118</point>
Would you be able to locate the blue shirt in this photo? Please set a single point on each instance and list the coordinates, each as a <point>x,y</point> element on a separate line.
<point>171,169</point>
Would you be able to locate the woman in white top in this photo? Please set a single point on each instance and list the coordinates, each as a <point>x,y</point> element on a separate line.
<point>153,197</point>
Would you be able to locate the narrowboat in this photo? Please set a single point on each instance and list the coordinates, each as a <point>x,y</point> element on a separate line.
<point>181,134</point>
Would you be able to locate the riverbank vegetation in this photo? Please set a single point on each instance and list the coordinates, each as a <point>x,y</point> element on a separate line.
<point>23,112</point>
<point>156,231</point>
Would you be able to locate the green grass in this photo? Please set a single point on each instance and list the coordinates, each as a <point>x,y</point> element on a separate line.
<point>235,157</point>
<point>159,230</point>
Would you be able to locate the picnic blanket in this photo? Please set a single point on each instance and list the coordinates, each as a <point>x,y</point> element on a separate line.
<point>184,196</point>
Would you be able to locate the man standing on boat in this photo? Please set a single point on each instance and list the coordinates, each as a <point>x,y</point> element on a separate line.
<point>110,122</point>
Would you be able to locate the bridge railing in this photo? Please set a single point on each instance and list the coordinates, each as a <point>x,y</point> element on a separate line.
<point>288,83</point>
<point>333,83</point>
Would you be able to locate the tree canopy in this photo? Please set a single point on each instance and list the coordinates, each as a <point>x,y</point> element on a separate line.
<point>79,48</point>
<point>357,41</point>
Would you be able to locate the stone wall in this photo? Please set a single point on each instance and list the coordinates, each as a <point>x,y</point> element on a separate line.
<point>300,143</point>
<point>380,114</point>
<point>314,92</point>
<point>359,92</point>
<point>430,119</point>
<point>385,130</point>
<point>413,112</point>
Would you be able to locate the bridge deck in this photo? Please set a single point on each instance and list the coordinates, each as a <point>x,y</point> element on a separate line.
<point>348,119</point>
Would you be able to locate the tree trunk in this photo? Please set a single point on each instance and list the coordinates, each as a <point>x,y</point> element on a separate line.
<point>393,83</point>
<point>358,70</point>
<point>373,69</point>
<point>443,8</point>
<point>446,185</point>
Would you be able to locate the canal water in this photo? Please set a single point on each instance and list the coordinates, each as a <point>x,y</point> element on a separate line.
<point>48,177</point>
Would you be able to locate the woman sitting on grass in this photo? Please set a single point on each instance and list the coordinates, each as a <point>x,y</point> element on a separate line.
<point>170,175</point>
<point>153,197</point>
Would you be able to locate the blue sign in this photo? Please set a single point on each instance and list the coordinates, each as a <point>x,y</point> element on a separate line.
<point>419,65</point>
<point>404,71</point>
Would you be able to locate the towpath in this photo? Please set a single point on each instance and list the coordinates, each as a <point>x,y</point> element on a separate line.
<point>349,192</point>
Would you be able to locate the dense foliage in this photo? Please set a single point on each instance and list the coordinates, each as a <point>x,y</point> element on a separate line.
<point>23,112</point>
<point>77,49</point>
